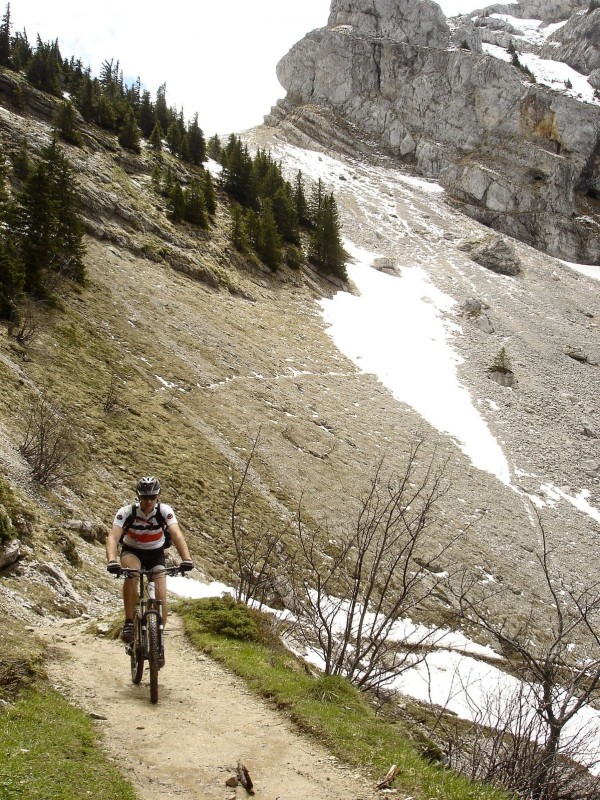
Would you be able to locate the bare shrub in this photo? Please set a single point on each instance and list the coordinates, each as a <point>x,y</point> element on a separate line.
<point>112,398</point>
<point>26,327</point>
<point>532,741</point>
<point>258,552</point>
<point>49,445</point>
<point>349,596</point>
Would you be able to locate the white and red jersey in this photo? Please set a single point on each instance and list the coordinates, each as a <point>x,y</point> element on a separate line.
<point>146,531</point>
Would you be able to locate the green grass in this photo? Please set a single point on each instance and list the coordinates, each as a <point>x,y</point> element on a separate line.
<point>327,707</point>
<point>48,750</point>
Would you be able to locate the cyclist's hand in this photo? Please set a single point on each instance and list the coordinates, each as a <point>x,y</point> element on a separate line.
<point>114,568</point>
<point>186,566</point>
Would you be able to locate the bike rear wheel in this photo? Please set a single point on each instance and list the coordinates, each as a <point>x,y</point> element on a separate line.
<point>137,651</point>
<point>152,628</point>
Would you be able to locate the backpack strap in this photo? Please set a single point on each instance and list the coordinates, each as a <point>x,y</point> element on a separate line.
<point>129,520</point>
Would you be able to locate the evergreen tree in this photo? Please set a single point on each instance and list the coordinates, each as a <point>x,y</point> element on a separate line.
<point>286,217</point>
<point>239,234</point>
<point>5,60</point>
<point>38,220</point>
<point>174,139</point>
<point>129,134</point>
<point>45,67</point>
<point>196,143</point>
<point>300,201</point>
<point>105,113</point>
<point>314,203</point>
<point>86,96</point>
<point>194,211</point>
<point>65,123</point>
<point>326,251</point>
<point>21,53</point>
<point>11,268</point>
<point>146,115</point>
<point>176,203</point>
<point>160,108</point>
<point>21,162</point>
<point>269,240</point>
<point>156,138</point>
<point>214,148</point>
<point>208,193</point>
<point>68,249</point>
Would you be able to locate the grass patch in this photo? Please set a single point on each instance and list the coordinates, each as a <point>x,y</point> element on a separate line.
<point>327,707</point>
<point>48,749</point>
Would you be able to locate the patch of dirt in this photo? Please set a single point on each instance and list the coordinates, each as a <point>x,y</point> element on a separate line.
<point>205,721</point>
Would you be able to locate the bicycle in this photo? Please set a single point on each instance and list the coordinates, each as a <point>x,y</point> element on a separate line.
<point>148,633</point>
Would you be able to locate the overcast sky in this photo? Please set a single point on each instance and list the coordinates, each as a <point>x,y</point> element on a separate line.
<point>217,58</point>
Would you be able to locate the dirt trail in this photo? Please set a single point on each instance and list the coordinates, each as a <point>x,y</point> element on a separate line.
<point>206,720</point>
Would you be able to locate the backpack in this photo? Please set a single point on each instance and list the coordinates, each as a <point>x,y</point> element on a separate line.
<point>130,519</point>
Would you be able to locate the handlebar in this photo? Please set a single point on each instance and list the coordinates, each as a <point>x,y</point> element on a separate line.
<point>129,572</point>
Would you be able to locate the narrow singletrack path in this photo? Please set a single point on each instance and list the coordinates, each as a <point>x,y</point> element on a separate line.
<point>206,720</point>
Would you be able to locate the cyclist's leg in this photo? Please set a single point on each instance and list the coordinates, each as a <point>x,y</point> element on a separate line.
<point>160,584</point>
<point>130,585</point>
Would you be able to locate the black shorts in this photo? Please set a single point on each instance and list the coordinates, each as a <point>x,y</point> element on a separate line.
<point>147,558</point>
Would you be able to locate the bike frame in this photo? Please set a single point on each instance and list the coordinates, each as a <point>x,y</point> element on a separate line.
<point>148,643</point>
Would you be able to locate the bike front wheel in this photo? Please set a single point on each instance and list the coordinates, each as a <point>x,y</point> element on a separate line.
<point>137,651</point>
<point>152,627</point>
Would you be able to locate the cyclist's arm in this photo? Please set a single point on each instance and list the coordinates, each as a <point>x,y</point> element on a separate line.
<point>112,543</point>
<point>179,541</point>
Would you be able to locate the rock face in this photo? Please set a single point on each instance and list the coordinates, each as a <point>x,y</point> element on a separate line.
<point>577,43</point>
<point>517,156</point>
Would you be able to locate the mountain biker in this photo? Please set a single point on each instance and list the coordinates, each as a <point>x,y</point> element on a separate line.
<point>141,530</point>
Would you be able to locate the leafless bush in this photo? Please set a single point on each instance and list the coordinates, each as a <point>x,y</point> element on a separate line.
<point>533,742</point>
<point>49,445</point>
<point>112,398</point>
<point>258,552</point>
<point>26,326</point>
<point>349,597</point>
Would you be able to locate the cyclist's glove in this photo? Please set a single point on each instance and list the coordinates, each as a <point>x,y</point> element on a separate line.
<point>114,568</point>
<point>186,566</point>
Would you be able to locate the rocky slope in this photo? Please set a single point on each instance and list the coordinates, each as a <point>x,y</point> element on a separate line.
<point>519,157</point>
<point>204,349</point>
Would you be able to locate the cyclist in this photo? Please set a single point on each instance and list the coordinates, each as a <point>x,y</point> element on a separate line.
<point>141,528</point>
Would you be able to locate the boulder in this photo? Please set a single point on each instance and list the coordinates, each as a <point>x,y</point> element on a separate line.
<point>495,253</point>
<point>10,553</point>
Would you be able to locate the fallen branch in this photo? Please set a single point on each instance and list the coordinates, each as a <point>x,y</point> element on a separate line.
<point>387,781</point>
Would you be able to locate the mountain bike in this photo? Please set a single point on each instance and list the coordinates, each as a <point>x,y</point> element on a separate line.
<point>148,633</point>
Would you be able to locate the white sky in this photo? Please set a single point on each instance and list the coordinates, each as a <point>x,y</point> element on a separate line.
<point>218,59</point>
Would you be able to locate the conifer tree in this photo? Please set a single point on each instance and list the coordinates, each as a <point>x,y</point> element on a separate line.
<point>176,203</point>
<point>156,138</point>
<point>160,108</point>
<point>45,68</point>
<point>105,113</point>
<point>129,134</point>
<point>300,201</point>
<point>174,139</point>
<point>286,217</point>
<point>68,249</point>
<point>326,251</point>
<point>195,142</point>
<point>66,125</point>
<point>5,25</point>
<point>209,194</point>
<point>146,116</point>
<point>21,162</point>
<point>269,240</point>
<point>214,148</point>
<point>194,210</point>
<point>21,52</point>
<point>239,235</point>
<point>38,220</point>
<point>11,268</point>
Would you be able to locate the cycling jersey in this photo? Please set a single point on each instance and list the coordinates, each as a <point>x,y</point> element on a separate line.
<point>146,531</point>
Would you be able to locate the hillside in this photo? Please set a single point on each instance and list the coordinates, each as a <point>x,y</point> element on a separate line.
<point>178,353</point>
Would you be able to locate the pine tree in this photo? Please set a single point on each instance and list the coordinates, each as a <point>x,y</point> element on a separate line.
<point>66,125</point>
<point>5,25</point>
<point>209,194</point>
<point>38,221</point>
<point>68,249</point>
<point>286,217</point>
<point>21,53</point>
<point>174,139</point>
<point>314,203</point>
<point>239,234</point>
<point>129,134</point>
<point>269,240</point>
<point>45,68</point>
<point>194,210</point>
<point>214,148</point>
<point>300,201</point>
<point>176,203</point>
<point>156,138</point>
<point>105,113</point>
<point>160,108</point>
<point>11,268</point>
<point>326,251</point>
<point>21,162</point>
<point>196,143</point>
<point>146,116</point>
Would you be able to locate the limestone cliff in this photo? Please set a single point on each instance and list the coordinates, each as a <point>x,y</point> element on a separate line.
<point>520,157</point>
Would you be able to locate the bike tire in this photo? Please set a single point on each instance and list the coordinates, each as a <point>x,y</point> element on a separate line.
<point>137,651</point>
<point>152,628</point>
